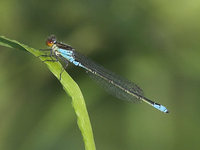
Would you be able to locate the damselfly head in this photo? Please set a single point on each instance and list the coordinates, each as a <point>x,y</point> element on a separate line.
<point>51,40</point>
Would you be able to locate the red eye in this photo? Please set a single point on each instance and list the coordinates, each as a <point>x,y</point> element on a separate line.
<point>51,40</point>
<point>49,43</point>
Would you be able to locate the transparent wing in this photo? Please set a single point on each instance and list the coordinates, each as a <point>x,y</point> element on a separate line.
<point>114,84</point>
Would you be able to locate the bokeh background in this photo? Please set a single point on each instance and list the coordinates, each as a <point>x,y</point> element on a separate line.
<point>153,43</point>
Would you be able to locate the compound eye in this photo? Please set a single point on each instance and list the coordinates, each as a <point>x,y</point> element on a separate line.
<point>51,40</point>
<point>49,43</point>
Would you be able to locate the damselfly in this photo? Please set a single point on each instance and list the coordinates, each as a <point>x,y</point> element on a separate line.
<point>114,84</point>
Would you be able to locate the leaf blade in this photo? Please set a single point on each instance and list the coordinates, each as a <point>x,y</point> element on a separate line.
<point>70,87</point>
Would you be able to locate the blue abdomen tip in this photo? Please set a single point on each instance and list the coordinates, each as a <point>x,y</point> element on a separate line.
<point>160,107</point>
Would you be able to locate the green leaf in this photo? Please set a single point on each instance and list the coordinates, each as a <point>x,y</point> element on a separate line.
<point>70,87</point>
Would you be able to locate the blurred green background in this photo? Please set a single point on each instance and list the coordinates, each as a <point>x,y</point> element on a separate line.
<point>153,43</point>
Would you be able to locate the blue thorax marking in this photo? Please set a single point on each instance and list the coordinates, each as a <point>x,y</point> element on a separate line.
<point>68,54</point>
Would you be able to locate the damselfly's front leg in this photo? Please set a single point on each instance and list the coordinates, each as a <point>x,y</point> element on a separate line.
<point>64,68</point>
